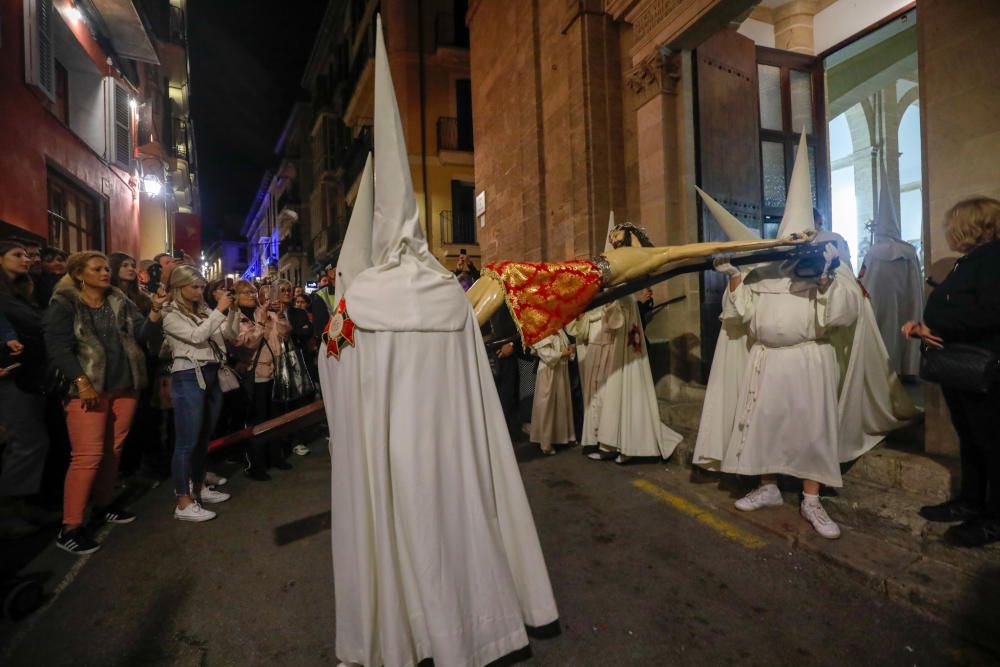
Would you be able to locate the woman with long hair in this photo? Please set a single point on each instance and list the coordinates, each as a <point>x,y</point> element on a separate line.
<point>22,403</point>
<point>197,338</point>
<point>125,276</point>
<point>965,310</point>
<point>93,333</point>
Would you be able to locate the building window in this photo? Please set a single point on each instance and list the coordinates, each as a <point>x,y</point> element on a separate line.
<point>873,104</point>
<point>60,106</point>
<point>74,220</point>
<point>790,95</point>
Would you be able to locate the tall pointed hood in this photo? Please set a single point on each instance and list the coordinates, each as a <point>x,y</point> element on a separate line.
<point>730,224</point>
<point>611,228</point>
<point>405,288</point>
<point>886,220</point>
<point>798,216</point>
<point>356,252</point>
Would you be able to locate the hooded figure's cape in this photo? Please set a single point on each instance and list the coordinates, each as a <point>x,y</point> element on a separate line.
<point>872,401</point>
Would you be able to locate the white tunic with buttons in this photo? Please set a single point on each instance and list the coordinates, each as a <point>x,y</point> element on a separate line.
<point>787,413</point>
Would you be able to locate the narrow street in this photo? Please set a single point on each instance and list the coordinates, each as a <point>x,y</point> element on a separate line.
<point>643,575</point>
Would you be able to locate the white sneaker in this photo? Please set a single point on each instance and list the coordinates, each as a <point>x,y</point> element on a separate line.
<point>300,450</point>
<point>193,512</point>
<point>212,497</point>
<point>813,512</point>
<point>211,479</point>
<point>767,495</point>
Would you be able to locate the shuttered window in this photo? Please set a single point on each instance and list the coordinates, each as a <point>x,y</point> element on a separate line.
<point>39,46</point>
<point>121,127</point>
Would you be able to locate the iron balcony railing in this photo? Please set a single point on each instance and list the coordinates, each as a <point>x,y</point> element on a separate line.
<point>457,227</point>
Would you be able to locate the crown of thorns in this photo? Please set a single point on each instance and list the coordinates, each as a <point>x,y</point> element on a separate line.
<point>631,230</point>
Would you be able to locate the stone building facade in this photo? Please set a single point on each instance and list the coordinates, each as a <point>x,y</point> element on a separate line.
<point>587,106</point>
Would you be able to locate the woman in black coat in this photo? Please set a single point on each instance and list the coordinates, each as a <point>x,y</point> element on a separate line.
<point>965,308</point>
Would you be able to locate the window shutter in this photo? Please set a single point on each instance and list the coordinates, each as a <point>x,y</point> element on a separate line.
<point>121,127</point>
<point>39,46</point>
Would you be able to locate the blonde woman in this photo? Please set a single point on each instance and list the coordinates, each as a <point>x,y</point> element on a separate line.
<point>197,338</point>
<point>93,334</point>
<point>965,309</point>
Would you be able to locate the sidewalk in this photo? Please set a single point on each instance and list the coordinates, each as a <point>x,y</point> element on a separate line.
<point>885,543</point>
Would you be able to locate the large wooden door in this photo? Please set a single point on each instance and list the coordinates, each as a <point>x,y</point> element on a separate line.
<point>728,136</point>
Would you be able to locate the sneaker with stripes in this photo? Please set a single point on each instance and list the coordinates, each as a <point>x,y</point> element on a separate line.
<point>112,515</point>
<point>77,541</point>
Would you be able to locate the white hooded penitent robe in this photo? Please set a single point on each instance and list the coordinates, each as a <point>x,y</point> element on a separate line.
<point>892,277</point>
<point>787,408</point>
<point>891,274</point>
<point>552,407</point>
<point>622,412</point>
<point>435,553</point>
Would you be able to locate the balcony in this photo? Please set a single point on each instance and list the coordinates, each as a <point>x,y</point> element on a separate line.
<point>457,228</point>
<point>178,27</point>
<point>357,153</point>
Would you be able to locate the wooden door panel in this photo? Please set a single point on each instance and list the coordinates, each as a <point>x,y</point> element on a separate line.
<point>728,137</point>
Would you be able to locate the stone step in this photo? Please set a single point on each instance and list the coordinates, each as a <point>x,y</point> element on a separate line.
<point>924,476</point>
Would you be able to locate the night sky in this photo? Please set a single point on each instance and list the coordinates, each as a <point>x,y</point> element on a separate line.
<point>247,60</point>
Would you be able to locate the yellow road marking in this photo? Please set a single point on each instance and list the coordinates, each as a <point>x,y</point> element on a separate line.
<point>724,528</point>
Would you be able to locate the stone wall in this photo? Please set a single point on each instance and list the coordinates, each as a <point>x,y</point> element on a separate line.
<point>960,114</point>
<point>552,165</point>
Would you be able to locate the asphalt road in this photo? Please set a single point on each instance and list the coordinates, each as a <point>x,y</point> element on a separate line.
<point>643,576</point>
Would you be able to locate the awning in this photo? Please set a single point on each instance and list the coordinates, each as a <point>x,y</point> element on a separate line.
<point>127,32</point>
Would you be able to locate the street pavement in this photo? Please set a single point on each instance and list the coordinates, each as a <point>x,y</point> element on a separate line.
<point>643,574</point>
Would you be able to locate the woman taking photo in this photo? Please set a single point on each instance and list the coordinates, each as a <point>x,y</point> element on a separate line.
<point>197,338</point>
<point>263,325</point>
<point>93,333</point>
<point>965,309</point>
<point>22,403</point>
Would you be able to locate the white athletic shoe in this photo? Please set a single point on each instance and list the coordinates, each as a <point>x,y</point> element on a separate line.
<point>812,511</point>
<point>300,450</point>
<point>193,512</point>
<point>212,497</point>
<point>211,479</point>
<point>767,495</point>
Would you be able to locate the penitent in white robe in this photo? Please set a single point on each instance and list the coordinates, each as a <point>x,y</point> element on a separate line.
<point>435,553</point>
<point>892,277</point>
<point>787,407</point>
<point>622,412</point>
<point>552,407</point>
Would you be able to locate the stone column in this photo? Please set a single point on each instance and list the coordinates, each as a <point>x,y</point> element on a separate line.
<point>793,26</point>
<point>959,108</point>
<point>661,99</point>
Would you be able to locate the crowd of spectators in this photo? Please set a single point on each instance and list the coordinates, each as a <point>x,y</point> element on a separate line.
<point>114,370</point>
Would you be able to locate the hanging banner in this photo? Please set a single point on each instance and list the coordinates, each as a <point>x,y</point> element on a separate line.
<point>187,233</point>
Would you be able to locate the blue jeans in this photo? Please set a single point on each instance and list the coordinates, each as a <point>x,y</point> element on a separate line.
<point>196,411</point>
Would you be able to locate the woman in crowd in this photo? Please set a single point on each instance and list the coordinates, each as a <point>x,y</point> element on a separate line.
<point>22,403</point>
<point>301,335</point>
<point>93,333</point>
<point>144,435</point>
<point>965,308</point>
<point>262,327</point>
<point>197,338</point>
<point>125,276</point>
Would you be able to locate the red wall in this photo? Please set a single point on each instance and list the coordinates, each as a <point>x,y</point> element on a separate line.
<point>32,138</point>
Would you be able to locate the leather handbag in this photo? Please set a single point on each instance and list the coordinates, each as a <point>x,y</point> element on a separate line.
<point>961,366</point>
<point>229,380</point>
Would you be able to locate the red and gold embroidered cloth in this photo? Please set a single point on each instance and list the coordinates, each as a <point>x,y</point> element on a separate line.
<point>543,297</point>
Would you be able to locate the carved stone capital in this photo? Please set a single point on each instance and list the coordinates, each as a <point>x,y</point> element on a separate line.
<point>658,74</point>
